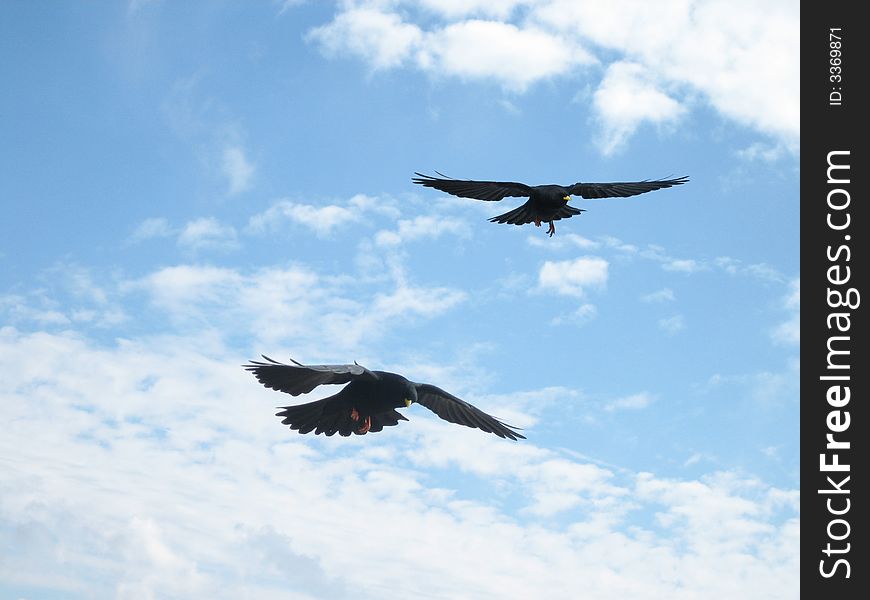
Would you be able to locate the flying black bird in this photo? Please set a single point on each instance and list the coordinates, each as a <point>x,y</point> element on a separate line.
<point>545,202</point>
<point>368,403</point>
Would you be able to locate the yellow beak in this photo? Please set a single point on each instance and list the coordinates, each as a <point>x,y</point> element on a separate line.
<point>407,402</point>
<point>566,198</point>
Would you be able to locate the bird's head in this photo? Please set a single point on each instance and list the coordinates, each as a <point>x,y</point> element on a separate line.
<point>410,394</point>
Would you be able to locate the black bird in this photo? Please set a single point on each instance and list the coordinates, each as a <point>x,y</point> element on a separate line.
<point>368,403</point>
<point>545,202</point>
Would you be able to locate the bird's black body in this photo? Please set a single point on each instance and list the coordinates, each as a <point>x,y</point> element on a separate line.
<point>367,403</point>
<point>546,203</point>
<point>375,401</point>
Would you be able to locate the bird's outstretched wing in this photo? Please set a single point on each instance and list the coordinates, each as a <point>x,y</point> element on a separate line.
<point>455,410</point>
<point>623,189</point>
<point>479,190</point>
<point>298,379</point>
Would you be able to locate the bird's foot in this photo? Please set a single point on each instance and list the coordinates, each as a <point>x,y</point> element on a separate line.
<point>354,415</point>
<point>537,222</point>
<point>365,426</point>
<point>552,229</point>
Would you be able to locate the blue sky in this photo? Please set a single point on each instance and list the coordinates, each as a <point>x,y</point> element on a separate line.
<point>188,185</point>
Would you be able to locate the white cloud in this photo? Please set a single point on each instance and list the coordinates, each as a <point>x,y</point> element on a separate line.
<point>700,508</point>
<point>205,123</point>
<point>203,233</point>
<point>793,299</point>
<point>17,308</point>
<point>662,295</point>
<point>168,475</point>
<point>568,240</point>
<point>626,98</point>
<point>77,298</point>
<point>470,49</point>
<point>322,220</point>
<point>379,205</point>
<point>499,9</point>
<point>293,304</point>
<point>689,265</point>
<point>762,271</point>
<point>237,169</point>
<point>774,387</point>
<point>696,458</point>
<point>287,4</point>
<point>708,46</point>
<point>381,38</point>
<point>760,151</point>
<point>771,452</point>
<point>632,402</point>
<point>618,244</point>
<point>134,6</point>
<point>682,265</point>
<point>789,332</point>
<point>422,227</point>
<point>665,56</point>
<point>672,325</point>
<point>427,302</point>
<point>180,289</point>
<point>515,57</point>
<point>618,24</point>
<point>573,277</point>
<point>207,233</point>
<point>766,388</point>
<point>155,227</point>
<point>582,315</point>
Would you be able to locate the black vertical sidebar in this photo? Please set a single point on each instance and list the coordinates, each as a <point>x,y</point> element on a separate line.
<point>834,264</point>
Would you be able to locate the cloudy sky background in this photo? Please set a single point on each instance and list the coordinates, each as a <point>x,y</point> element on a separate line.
<point>188,185</point>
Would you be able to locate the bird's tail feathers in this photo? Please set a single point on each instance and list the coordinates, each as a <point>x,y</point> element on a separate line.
<point>523,214</point>
<point>331,415</point>
<point>517,216</point>
<point>567,211</point>
<point>321,415</point>
<point>386,419</point>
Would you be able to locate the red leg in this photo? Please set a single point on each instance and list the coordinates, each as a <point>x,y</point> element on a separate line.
<point>354,415</point>
<point>537,222</point>
<point>365,426</point>
<point>552,229</point>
